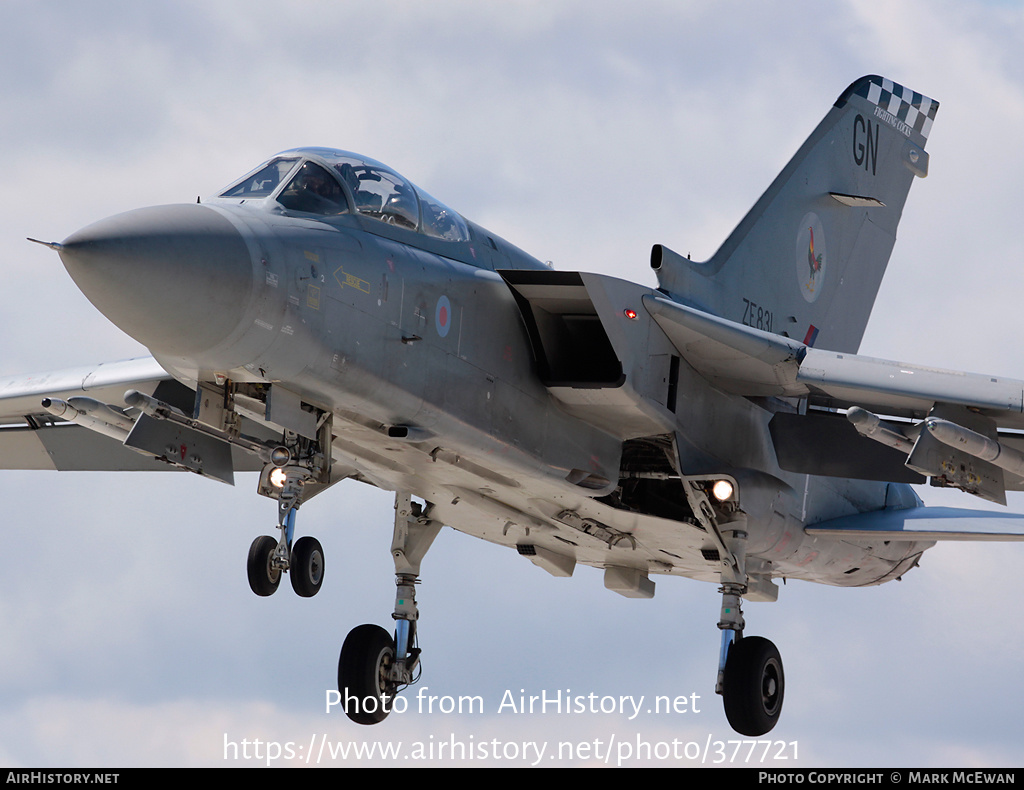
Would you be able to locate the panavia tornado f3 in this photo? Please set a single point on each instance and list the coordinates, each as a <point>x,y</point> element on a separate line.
<point>323,318</point>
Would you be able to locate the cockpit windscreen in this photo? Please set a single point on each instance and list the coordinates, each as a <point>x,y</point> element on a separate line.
<point>262,182</point>
<point>314,191</point>
<point>339,182</point>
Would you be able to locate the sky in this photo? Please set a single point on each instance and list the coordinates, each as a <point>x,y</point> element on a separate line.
<point>583,132</point>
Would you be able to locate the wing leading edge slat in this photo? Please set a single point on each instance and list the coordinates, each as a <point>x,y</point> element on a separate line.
<point>107,382</point>
<point>31,438</point>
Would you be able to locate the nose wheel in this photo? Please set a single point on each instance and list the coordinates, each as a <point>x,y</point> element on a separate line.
<point>264,576</point>
<point>307,567</point>
<point>270,557</point>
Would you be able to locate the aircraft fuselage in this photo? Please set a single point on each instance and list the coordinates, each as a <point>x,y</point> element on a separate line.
<point>387,329</point>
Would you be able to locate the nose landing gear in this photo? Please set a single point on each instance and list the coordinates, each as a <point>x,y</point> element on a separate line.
<point>307,567</point>
<point>264,575</point>
<point>269,558</point>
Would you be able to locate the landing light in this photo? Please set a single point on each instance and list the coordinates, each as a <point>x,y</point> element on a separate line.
<point>278,477</point>
<point>722,490</point>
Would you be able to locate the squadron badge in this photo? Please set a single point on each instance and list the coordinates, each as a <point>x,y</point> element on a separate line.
<point>810,257</point>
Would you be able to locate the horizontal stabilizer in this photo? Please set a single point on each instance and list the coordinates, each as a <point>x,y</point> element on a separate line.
<point>925,523</point>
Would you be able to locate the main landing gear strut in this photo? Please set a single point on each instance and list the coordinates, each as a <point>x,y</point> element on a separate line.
<point>374,665</point>
<point>750,677</point>
<point>269,557</point>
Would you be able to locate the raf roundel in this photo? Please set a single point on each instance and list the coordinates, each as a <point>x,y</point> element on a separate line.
<point>443,316</point>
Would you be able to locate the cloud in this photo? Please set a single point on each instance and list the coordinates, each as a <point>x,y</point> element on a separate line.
<point>583,133</point>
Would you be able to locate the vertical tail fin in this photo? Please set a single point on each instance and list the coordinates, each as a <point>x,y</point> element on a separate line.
<point>807,260</point>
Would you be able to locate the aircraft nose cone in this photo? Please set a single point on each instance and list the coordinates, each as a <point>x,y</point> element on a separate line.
<point>176,278</point>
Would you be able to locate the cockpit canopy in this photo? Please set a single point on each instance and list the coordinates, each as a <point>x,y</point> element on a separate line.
<point>327,182</point>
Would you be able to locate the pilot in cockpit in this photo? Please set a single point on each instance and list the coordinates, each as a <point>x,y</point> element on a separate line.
<point>314,191</point>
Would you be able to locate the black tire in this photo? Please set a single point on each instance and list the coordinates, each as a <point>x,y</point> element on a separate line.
<point>753,686</point>
<point>367,653</point>
<point>307,567</point>
<point>263,579</point>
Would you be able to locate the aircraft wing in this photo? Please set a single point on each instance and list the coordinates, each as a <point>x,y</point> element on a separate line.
<point>33,438</point>
<point>20,396</point>
<point>733,357</point>
<point>95,435</point>
<point>951,424</point>
<point>751,362</point>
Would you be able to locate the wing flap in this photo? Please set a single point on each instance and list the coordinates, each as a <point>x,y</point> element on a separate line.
<point>823,443</point>
<point>66,447</point>
<point>72,448</point>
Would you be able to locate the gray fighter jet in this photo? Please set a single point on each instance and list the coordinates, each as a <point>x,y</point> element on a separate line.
<point>322,318</point>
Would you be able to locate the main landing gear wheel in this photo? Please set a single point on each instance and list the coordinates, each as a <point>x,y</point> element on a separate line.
<point>753,686</point>
<point>307,567</point>
<point>263,576</point>
<point>366,657</point>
